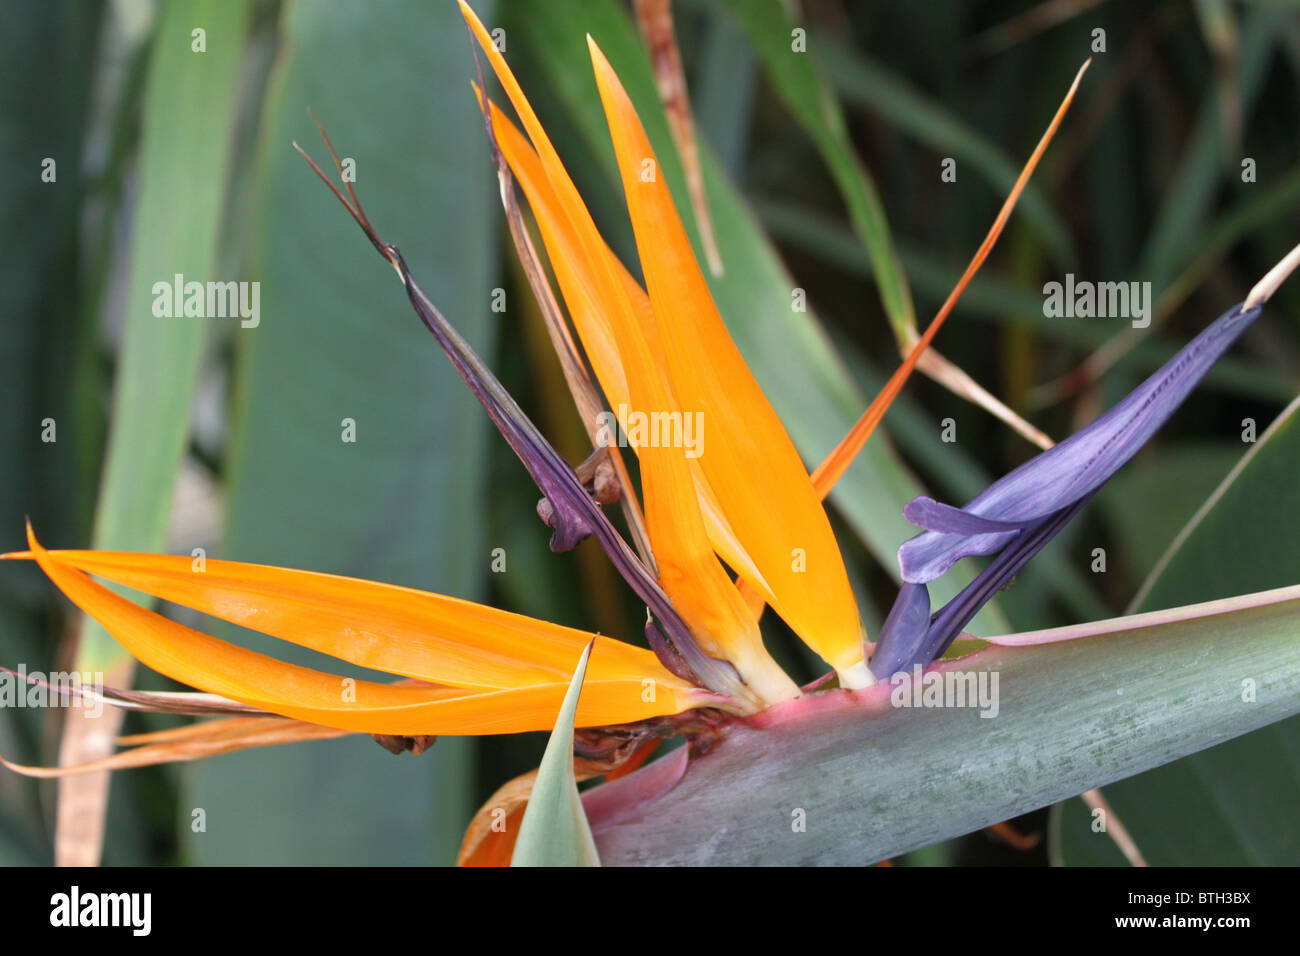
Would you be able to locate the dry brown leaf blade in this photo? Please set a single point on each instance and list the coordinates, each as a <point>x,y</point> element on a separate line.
<point>193,742</point>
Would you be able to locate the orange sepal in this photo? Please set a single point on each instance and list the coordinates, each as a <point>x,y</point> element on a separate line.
<point>580,287</point>
<point>331,700</point>
<point>689,571</point>
<point>750,462</point>
<point>396,630</point>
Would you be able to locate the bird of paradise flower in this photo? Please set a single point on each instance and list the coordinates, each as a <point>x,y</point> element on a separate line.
<point>748,504</point>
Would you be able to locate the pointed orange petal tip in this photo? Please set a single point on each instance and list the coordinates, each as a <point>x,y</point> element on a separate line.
<point>596,54</point>
<point>471,18</point>
<point>754,462</point>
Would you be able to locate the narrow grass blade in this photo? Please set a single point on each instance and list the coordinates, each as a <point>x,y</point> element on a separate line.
<point>814,105</point>
<point>868,85</point>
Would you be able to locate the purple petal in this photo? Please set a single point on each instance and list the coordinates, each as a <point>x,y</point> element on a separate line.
<point>1083,462</point>
<point>903,633</point>
<point>935,516</point>
<point>961,610</point>
<point>930,554</point>
<point>911,636</point>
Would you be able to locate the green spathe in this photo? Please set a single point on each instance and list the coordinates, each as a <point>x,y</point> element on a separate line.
<point>1074,715</point>
<point>554,830</point>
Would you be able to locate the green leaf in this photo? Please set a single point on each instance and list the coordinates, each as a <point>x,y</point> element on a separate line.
<point>1235,804</point>
<point>189,110</point>
<point>1243,537</point>
<point>404,503</point>
<point>185,156</point>
<point>1228,806</point>
<point>868,780</point>
<point>554,830</point>
<point>787,349</point>
<point>769,28</point>
<point>723,92</point>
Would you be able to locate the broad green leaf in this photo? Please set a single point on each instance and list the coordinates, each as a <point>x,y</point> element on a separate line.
<point>1231,805</point>
<point>338,342</point>
<point>1235,804</point>
<point>787,349</point>
<point>869,780</point>
<point>184,157</point>
<point>554,830</point>
<point>723,93</point>
<point>1243,537</point>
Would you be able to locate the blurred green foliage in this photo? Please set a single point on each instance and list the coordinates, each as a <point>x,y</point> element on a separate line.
<point>1144,182</point>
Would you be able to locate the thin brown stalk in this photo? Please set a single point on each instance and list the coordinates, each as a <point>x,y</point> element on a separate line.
<point>655,19</point>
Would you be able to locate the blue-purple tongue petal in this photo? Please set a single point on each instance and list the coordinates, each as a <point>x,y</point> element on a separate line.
<point>1077,466</point>
<point>936,516</point>
<point>903,633</point>
<point>911,636</point>
<point>961,610</point>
